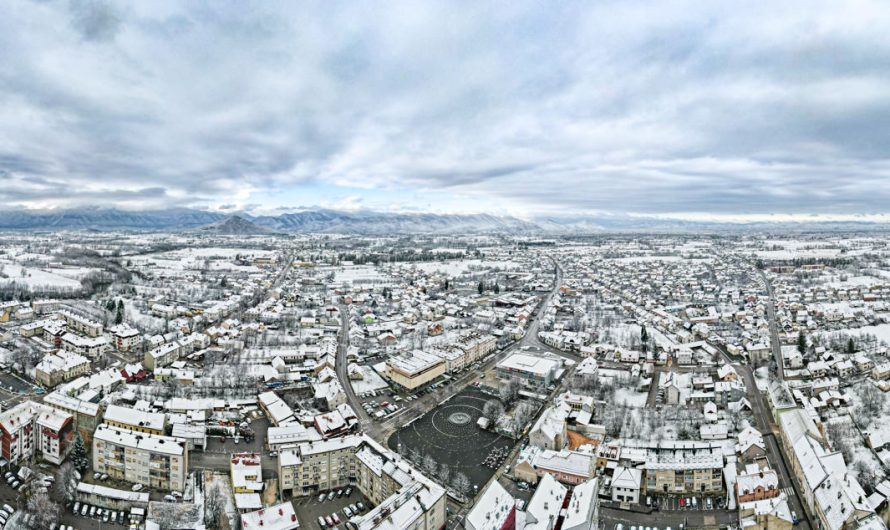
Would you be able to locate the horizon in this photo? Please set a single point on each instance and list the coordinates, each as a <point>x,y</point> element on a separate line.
<point>714,113</point>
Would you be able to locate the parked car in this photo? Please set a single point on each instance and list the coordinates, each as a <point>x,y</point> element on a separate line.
<point>336,518</point>
<point>348,511</point>
<point>321,522</point>
<point>321,497</point>
<point>331,495</point>
<point>84,510</point>
<point>329,521</point>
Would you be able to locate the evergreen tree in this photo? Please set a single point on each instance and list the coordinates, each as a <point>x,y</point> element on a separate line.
<point>79,454</point>
<point>644,335</point>
<point>851,346</point>
<point>497,288</point>
<point>801,342</point>
<point>446,284</point>
<point>480,287</point>
<point>119,317</point>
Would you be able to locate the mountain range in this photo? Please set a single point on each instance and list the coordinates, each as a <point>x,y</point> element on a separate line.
<point>374,223</point>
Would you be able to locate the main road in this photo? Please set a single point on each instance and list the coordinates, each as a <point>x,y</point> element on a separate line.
<point>380,430</point>
<point>775,345</point>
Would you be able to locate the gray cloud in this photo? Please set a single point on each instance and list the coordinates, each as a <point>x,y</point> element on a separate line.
<point>615,106</point>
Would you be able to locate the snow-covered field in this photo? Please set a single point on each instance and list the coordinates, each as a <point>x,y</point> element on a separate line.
<point>630,398</point>
<point>34,277</point>
<point>458,267</point>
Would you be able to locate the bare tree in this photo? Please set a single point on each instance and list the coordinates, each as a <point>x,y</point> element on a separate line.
<point>68,479</point>
<point>492,410</point>
<point>44,512</point>
<point>214,507</point>
<point>430,466</point>
<point>461,483</point>
<point>444,473</point>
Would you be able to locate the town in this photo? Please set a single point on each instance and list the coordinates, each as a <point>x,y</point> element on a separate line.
<point>484,382</point>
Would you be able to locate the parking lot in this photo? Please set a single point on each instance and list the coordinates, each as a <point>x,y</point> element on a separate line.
<point>14,384</point>
<point>309,509</point>
<point>691,502</point>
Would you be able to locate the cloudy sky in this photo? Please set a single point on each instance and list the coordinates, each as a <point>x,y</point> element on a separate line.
<point>666,108</point>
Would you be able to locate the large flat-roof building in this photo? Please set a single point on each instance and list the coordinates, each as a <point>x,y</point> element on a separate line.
<point>414,369</point>
<point>159,462</point>
<point>533,371</point>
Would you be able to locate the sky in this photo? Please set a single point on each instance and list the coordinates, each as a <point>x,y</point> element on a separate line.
<point>687,109</point>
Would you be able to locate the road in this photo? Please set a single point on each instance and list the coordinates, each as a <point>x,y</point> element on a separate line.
<point>411,410</point>
<point>775,345</point>
<point>765,424</point>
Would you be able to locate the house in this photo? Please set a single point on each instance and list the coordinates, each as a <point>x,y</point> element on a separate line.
<point>626,484</point>
<point>756,484</point>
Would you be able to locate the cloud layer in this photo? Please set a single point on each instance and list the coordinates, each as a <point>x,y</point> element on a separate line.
<point>654,108</point>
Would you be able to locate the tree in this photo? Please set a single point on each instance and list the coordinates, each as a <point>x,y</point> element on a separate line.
<point>480,287</point>
<point>522,415</point>
<point>446,284</point>
<point>801,342</point>
<point>79,454</point>
<point>68,479</point>
<point>44,512</point>
<point>497,288</point>
<point>851,346</point>
<point>509,390</point>
<point>430,466</point>
<point>461,483</point>
<point>119,316</point>
<point>492,410</point>
<point>444,473</point>
<point>214,507</point>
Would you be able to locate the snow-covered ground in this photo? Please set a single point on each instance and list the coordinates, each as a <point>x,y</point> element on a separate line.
<point>371,381</point>
<point>35,277</point>
<point>630,397</point>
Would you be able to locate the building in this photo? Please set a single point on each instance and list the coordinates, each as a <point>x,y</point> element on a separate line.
<point>81,324</point>
<point>92,347</point>
<point>159,462</point>
<point>418,506</point>
<point>247,473</point>
<point>35,430</point>
<point>318,466</point>
<point>582,512</point>
<point>756,484</point>
<point>415,369</point>
<point>60,367</point>
<point>767,514</point>
<point>278,517</point>
<point>495,509</point>
<point>404,498</point>
<point>86,414</point>
<point>111,498</point>
<point>568,467</point>
<point>125,338</point>
<point>531,371</point>
<point>135,420</point>
<point>626,483</point>
<point>684,467</point>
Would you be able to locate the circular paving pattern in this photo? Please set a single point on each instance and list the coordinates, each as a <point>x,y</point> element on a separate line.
<point>449,435</point>
<point>460,418</point>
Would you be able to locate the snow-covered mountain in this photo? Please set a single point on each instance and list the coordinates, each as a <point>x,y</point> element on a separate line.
<point>321,220</point>
<point>235,225</point>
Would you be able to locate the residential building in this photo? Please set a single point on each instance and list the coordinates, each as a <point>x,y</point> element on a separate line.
<point>159,462</point>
